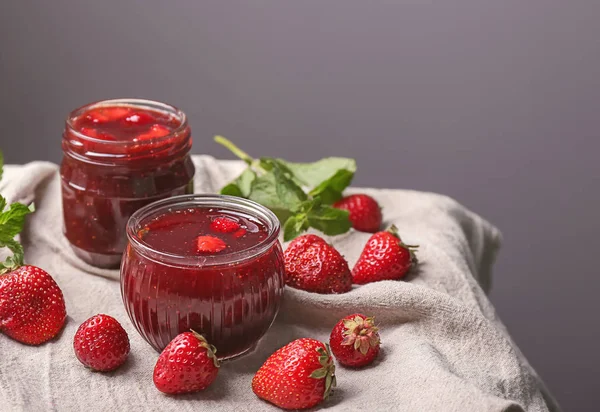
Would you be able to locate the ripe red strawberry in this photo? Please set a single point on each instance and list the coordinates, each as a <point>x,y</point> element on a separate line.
<point>32,307</point>
<point>224,224</point>
<point>187,364</point>
<point>365,213</point>
<point>101,343</point>
<point>384,257</point>
<point>355,340</point>
<point>210,244</point>
<point>314,265</point>
<point>298,376</point>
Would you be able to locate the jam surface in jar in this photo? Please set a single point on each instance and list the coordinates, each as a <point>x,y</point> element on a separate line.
<point>225,291</point>
<point>119,155</point>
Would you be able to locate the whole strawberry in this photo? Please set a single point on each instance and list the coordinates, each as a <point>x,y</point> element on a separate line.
<point>314,265</point>
<point>101,343</point>
<point>355,340</point>
<point>365,213</point>
<point>187,364</point>
<point>32,307</point>
<point>298,376</point>
<point>384,257</point>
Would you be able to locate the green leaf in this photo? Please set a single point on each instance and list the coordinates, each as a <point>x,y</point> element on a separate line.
<point>11,224</point>
<point>263,190</point>
<point>232,190</point>
<point>313,174</point>
<point>13,219</point>
<point>1,168</point>
<point>290,195</point>
<point>331,190</point>
<point>329,220</point>
<point>242,185</point>
<point>294,226</point>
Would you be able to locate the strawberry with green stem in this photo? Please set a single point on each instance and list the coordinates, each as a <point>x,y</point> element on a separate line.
<point>300,375</point>
<point>32,306</point>
<point>384,257</point>
<point>188,364</point>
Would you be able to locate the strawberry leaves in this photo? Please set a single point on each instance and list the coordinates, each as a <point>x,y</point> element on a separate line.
<point>300,194</point>
<point>12,220</point>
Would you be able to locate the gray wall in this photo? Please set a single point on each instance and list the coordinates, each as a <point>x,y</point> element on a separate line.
<point>495,103</point>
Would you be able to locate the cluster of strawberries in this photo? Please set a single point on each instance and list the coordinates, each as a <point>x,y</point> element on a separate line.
<point>314,265</point>
<point>297,376</point>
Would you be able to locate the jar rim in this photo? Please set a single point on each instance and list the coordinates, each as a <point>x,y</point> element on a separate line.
<point>265,215</point>
<point>127,102</point>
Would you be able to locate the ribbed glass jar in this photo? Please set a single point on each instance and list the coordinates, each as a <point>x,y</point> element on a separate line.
<point>231,297</point>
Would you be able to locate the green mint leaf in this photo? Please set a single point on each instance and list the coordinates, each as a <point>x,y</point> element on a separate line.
<point>329,220</point>
<point>1,168</point>
<point>11,224</point>
<point>14,261</point>
<point>330,190</point>
<point>263,190</point>
<point>13,219</point>
<point>242,185</point>
<point>313,174</point>
<point>294,226</point>
<point>289,193</point>
<point>232,189</point>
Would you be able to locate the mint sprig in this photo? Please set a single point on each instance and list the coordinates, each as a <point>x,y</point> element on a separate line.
<point>300,194</point>
<point>12,220</point>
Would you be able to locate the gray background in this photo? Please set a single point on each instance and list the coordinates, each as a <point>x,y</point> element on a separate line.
<point>495,103</point>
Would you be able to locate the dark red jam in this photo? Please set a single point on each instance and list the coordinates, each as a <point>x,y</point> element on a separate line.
<point>119,155</point>
<point>227,288</point>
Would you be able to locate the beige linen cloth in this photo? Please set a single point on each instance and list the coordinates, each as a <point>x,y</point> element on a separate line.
<point>443,347</point>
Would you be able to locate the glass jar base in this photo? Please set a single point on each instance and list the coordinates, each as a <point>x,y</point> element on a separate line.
<point>237,355</point>
<point>98,260</point>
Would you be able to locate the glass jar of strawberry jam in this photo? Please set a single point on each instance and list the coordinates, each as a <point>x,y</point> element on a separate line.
<point>118,156</point>
<point>208,263</point>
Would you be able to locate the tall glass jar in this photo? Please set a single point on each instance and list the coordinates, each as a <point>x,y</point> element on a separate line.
<point>118,156</point>
<point>230,295</point>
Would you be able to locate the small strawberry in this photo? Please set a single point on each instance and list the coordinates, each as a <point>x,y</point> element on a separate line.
<point>365,213</point>
<point>32,306</point>
<point>355,340</point>
<point>210,244</point>
<point>187,364</point>
<point>224,224</point>
<point>384,257</point>
<point>314,265</point>
<point>298,376</point>
<point>101,343</point>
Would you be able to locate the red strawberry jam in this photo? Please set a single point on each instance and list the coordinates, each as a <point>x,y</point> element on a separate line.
<point>181,271</point>
<point>119,155</point>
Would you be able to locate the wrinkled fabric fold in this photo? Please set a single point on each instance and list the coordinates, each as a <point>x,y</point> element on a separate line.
<point>443,346</point>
